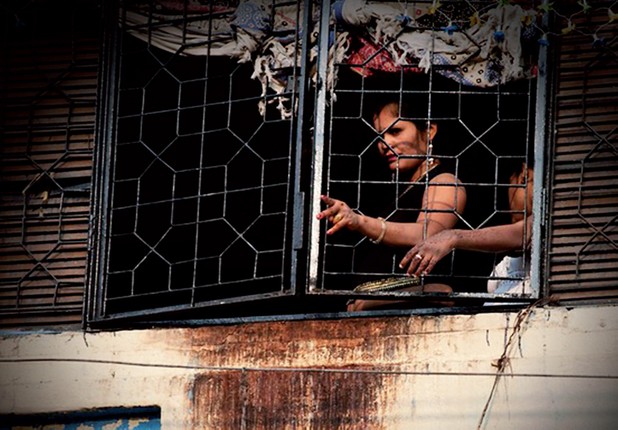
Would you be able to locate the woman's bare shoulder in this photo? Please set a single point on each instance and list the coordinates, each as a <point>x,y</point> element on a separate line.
<point>445,178</point>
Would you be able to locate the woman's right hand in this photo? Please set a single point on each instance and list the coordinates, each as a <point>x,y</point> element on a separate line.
<point>339,214</point>
<point>423,257</point>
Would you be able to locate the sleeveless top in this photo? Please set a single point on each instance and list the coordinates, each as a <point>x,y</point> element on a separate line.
<point>378,261</point>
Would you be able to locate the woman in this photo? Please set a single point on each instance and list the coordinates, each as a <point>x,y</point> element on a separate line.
<point>428,204</point>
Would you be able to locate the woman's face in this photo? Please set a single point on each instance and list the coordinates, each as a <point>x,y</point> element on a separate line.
<point>520,198</point>
<point>401,137</point>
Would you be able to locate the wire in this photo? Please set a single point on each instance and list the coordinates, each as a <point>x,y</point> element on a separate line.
<point>302,369</point>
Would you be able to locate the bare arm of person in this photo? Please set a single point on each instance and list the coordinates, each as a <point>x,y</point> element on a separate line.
<point>423,257</point>
<point>444,196</point>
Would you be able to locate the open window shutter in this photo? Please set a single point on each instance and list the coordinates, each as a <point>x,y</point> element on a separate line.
<point>48,86</point>
<point>583,248</point>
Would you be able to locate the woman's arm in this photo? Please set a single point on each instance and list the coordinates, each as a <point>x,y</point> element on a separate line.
<point>425,255</point>
<point>445,195</point>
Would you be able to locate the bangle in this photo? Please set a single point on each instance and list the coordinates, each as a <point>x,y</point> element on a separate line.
<point>382,232</point>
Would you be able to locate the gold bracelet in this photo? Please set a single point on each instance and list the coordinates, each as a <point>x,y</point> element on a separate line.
<point>382,233</point>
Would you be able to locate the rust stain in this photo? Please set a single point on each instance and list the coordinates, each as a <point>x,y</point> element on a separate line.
<point>307,343</point>
<point>334,374</point>
<point>288,399</point>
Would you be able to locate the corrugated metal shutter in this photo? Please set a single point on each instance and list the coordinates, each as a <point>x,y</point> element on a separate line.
<point>583,254</point>
<point>48,91</point>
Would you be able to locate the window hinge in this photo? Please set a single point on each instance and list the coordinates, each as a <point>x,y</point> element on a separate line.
<point>298,231</point>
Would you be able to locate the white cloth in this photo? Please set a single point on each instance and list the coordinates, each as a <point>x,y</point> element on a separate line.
<point>252,32</point>
<point>163,32</point>
<point>512,267</point>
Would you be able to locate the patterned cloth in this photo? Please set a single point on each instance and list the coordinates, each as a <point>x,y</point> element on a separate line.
<point>483,52</point>
<point>386,36</point>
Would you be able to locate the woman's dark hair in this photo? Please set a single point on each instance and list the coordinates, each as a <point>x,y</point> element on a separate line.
<point>412,107</point>
<point>412,97</point>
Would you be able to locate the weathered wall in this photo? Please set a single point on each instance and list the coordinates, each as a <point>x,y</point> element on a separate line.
<point>385,373</point>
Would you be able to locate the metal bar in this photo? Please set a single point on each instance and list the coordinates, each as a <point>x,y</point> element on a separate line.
<point>539,200</point>
<point>318,146</point>
<point>99,207</point>
<point>302,81</point>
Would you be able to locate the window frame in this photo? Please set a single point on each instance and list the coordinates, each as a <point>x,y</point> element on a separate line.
<point>540,201</point>
<point>306,202</point>
<point>95,313</point>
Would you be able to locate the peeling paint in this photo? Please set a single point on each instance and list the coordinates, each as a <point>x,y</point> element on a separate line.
<point>369,373</point>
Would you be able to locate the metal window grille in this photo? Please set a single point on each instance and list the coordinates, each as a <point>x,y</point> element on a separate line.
<point>481,150</point>
<point>209,179</point>
<point>200,183</point>
<point>483,130</point>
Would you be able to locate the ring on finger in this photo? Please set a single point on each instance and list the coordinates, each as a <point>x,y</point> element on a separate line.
<point>418,257</point>
<point>337,218</point>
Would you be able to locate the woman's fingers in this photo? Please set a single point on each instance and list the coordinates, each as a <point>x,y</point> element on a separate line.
<point>418,264</point>
<point>335,228</point>
<point>430,265</point>
<point>326,199</point>
<point>334,213</point>
<point>420,261</point>
<point>424,265</point>
<point>409,260</point>
<point>329,211</point>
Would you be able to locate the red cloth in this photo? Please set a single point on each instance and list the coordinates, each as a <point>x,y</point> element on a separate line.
<point>370,57</point>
